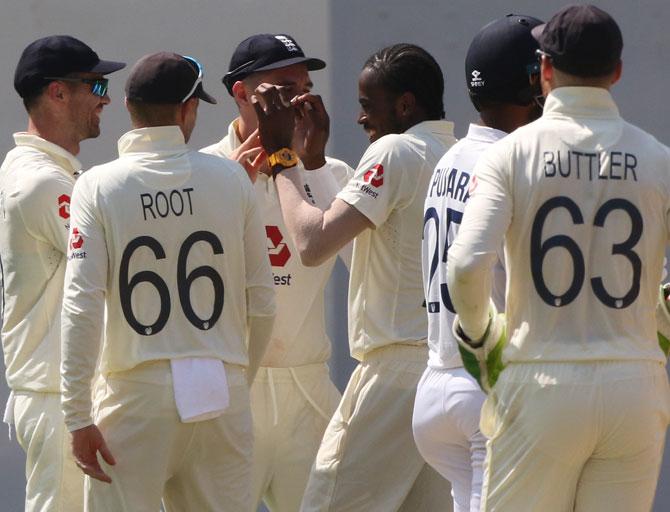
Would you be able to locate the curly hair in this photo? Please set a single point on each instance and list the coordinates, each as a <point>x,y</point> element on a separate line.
<point>405,67</point>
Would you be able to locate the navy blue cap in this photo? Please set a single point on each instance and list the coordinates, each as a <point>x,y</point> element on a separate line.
<point>581,40</point>
<point>262,52</point>
<point>500,59</point>
<point>166,78</point>
<point>57,56</point>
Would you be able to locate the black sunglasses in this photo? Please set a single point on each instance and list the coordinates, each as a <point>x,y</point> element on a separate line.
<point>99,86</point>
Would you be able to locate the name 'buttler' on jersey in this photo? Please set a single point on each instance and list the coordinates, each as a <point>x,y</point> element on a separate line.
<point>583,200</point>
<point>447,195</point>
<point>299,331</point>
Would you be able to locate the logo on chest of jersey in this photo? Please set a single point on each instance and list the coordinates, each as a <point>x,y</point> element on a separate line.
<point>277,249</point>
<point>64,206</point>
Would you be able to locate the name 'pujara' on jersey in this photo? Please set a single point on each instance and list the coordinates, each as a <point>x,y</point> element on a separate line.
<point>450,182</point>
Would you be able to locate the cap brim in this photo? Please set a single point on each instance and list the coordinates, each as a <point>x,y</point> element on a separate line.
<point>107,66</point>
<point>312,64</point>
<point>536,32</point>
<point>204,96</point>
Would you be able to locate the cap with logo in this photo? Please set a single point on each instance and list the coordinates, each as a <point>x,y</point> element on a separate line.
<point>500,59</point>
<point>262,52</point>
<point>167,78</point>
<point>581,40</point>
<point>57,55</point>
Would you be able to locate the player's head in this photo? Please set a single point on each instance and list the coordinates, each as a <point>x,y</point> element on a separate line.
<point>580,45</point>
<point>399,86</point>
<point>163,89</point>
<point>61,81</point>
<point>269,58</point>
<point>501,66</point>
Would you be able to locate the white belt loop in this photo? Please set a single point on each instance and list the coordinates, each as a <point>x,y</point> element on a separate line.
<point>273,397</point>
<point>307,397</point>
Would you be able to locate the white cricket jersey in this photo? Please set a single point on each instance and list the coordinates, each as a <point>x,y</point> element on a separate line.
<point>170,240</point>
<point>582,198</point>
<point>443,210</point>
<point>36,181</point>
<point>299,332</point>
<point>389,188</point>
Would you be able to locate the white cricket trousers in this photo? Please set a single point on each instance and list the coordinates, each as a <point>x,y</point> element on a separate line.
<point>446,430</point>
<point>582,436</point>
<point>53,481</point>
<point>203,466</point>
<point>291,408</point>
<point>368,461</point>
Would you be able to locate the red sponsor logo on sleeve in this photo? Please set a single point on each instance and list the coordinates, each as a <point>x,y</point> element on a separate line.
<point>64,206</point>
<point>374,176</point>
<point>76,240</point>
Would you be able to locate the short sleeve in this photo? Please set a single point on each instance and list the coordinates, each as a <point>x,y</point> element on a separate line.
<point>381,181</point>
<point>46,208</point>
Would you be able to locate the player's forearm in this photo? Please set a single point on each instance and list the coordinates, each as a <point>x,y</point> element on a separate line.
<point>469,281</point>
<point>304,221</point>
<point>80,345</point>
<point>259,333</point>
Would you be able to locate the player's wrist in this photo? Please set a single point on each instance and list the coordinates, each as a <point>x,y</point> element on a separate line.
<point>282,159</point>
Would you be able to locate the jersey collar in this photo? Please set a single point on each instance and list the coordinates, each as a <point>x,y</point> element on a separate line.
<point>487,134</point>
<point>591,102</point>
<point>61,155</point>
<point>439,127</point>
<point>156,139</point>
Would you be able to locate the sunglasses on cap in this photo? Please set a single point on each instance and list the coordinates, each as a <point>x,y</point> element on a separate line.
<point>99,86</point>
<point>198,79</point>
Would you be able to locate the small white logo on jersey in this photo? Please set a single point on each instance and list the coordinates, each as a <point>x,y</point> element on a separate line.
<point>289,43</point>
<point>477,80</point>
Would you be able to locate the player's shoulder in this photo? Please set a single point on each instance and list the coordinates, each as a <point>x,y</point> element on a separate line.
<point>36,173</point>
<point>220,166</point>
<point>644,140</point>
<point>395,146</point>
<point>217,149</point>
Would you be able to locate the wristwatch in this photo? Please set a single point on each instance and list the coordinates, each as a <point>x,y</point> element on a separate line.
<point>282,159</point>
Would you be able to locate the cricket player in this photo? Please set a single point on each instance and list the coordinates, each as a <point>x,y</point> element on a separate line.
<point>292,398</point>
<point>169,242</point>
<point>368,460</point>
<point>502,76</point>
<point>62,84</point>
<point>581,198</point>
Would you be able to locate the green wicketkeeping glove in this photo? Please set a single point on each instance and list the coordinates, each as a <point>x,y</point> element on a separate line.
<point>483,358</point>
<point>663,318</point>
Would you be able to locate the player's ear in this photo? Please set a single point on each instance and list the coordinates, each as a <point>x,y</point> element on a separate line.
<point>405,105</point>
<point>56,91</point>
<point>240,93</point>
<point>617,72</point>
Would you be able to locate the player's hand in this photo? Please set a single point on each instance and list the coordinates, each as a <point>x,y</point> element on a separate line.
<point>251,156</point>
<point>483,359</point>
<point>276,117</point>
<point>86,443</point>
<point>312,128</point>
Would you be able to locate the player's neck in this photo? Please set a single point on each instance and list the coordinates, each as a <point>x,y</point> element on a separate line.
<point>245,127</point>
<point>54,132</point>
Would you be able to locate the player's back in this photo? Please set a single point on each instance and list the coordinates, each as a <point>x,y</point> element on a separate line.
<point>176,225</point>
<point>590,198</point>
<point>443,210</point>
